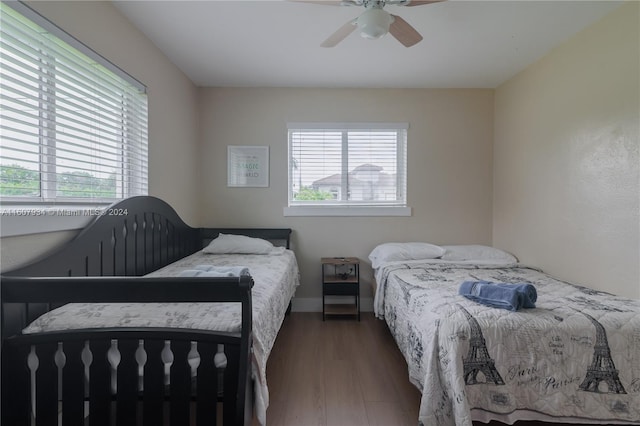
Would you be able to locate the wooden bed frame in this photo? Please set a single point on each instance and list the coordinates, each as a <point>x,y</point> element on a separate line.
<point>106,262</point>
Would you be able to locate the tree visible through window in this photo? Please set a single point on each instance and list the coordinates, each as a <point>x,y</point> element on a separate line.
<point>73,127</point>
<point>347,164</point>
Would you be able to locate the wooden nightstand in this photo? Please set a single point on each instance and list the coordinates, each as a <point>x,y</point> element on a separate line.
<point>341,277</point>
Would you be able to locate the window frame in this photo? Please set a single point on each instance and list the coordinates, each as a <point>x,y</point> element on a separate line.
<point>344,207</point>
<point>20,215</point>
<point>131,179</point>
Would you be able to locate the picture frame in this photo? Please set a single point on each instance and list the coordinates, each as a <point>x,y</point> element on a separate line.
<point>247,166</point>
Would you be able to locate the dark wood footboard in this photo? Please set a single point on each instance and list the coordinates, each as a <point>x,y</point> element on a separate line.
<point>72,375</point>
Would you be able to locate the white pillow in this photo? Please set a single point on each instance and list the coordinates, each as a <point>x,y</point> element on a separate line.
<point>239,244</point>
<point>478,253</point>
<point>389,252</point>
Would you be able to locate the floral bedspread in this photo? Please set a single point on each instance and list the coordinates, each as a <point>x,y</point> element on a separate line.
<point>275,276</point>
<point>577,354</point>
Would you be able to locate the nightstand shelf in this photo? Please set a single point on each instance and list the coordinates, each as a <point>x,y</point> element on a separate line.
<point>341,279</point>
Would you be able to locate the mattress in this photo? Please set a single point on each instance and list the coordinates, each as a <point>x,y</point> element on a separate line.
<point>275,276</point>
<point>573,358</point>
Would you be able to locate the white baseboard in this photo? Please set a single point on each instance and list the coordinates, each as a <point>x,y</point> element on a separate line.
<point>314,304</point>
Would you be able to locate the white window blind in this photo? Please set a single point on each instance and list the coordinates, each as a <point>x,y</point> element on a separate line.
<point>347,164</point>
<point>73,128</point>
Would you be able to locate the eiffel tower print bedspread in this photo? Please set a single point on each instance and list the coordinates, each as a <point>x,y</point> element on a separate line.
<point>577,354</point>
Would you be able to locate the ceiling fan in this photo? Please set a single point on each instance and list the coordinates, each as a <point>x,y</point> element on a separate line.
<point>375,22</point>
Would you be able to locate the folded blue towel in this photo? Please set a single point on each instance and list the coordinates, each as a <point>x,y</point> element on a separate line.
<point>500,295</point>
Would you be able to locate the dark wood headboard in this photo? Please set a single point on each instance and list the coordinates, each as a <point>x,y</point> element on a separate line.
<point>134,237</point>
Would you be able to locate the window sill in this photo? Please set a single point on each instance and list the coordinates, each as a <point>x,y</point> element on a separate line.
<point>25,220</point>
<point>346,211</point>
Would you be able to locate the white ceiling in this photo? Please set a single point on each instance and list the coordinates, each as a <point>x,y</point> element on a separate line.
<point>276,43</point>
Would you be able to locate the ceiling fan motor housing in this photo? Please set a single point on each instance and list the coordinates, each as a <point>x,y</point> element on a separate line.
<point>374,23</point>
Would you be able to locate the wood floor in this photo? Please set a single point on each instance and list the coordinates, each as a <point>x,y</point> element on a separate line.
<point>341,372</point>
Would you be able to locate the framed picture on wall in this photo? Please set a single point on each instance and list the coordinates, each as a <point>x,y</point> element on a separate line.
<point>248,166</point>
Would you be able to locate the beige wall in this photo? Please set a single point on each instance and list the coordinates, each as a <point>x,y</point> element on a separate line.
<point>563,193</point>
<point>173,126</point>
<point>449,167</point>
<point>566,176</point>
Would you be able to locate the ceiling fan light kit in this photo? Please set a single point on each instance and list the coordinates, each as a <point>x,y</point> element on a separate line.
<point>374,23</point>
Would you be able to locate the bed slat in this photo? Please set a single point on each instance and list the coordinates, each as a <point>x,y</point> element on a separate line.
<point>108,255</point>
<point>207,385</point>
<point>127,382</point>
<point>180,378</point>
<point>147,236</point>
<point>157,242</point>
<point>47,385</point>
<point>137,252</point>
<point>129,248</point>
<point>99,384</point>
<point>73,385</point>
<point>230,384</point>
<point>153,383</point>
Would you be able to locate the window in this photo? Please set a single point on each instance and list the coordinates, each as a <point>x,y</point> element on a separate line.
<point>73,127</point>
<point>347,164</point>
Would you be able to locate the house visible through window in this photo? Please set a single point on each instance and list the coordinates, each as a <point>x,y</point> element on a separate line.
<point>347,164</point>
<point>73,127</point>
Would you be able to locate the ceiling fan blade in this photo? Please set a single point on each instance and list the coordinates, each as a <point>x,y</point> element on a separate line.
<point>420,2</point>
<point>404,32</point>
<point>340,35</point>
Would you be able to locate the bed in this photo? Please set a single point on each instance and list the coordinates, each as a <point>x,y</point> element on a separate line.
<point>574,358</point>
<point>143,320</point>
